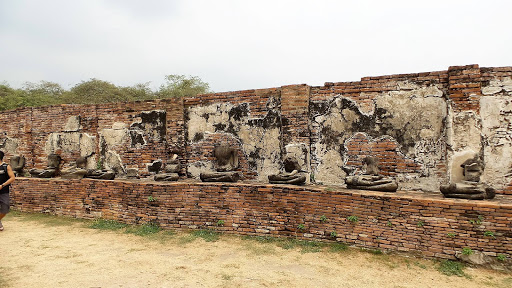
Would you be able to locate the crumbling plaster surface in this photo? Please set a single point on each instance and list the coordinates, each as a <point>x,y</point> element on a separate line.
<point>9,145</point>
<point>72,140</point>
<point>147,127</point>
<point>464,141</point>
<point>259,137</point>
<point>111,140</point>
<point>414,116</point>
<point>496,115</point>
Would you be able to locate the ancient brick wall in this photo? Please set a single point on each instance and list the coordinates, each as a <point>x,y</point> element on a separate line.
<point>420,126</point>
<point>400,119</point>
<point>136,134</point>
<point>403,221</point>
<point>16,134</point>
<point>248,119</point>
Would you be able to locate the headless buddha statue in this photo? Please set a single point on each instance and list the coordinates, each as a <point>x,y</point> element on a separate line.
<point>371,180</point>
<point>50,171</point>
<point>470,187</point>
<point>171,170</point>
<point>226,164</point>
<point>292,173</point>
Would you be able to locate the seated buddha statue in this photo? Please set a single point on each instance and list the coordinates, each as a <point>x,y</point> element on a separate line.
<point>470,187</point>
<point>171,170</point>
<point>370,179</point>
<point>17,163</point>
<point>292,173</point>
<point>77,172</point>
<point>226,164</point>
<point>51,169</point>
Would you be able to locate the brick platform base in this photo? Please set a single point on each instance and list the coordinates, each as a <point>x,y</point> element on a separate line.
<point>402,221</point>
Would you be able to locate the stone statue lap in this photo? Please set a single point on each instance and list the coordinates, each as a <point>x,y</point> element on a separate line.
<point>471,187</point>
<point>227,162</point>
<point>292,174</point>
<point>371,180</point>
<point>50,171</point>
<point>171,170</point>
<point>77,172</point>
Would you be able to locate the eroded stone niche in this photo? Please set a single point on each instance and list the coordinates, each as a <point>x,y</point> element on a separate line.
<point>72,141</point>
<point>259,138</point>
<point>403,128</point>
<point>147,128</point>
<point>496,127</point>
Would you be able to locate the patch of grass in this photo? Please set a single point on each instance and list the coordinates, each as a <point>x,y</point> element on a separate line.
<point>227,277</point>
<point>206,234</point>
<point>334,234</point>
<point>144,229</point>
<point>375,251</point>
<point>477,221</point>
<point>329,189</point>
<point>451,235</point>
<point>489,234</point>
<point>420,224</point>
<point>389,224</point>
<point>467,251</point>
<point>422,266</point>
<point>185,239</point>
<point>323,219</point>
<point>301,227</point>
<point>105,224</point>
<point>304,245</point>
<point>501,257</point>
<point>450,268</point>
<point>151,199</point>
<point>220,223</point>
<point>338,247</point>
<point>311,246</point>
<point>260,248</point>
<point>261,239</point>
<point>353,219</point>
<point>46,219</point>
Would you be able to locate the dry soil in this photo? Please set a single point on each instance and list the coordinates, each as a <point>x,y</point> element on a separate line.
<point>47,252</point>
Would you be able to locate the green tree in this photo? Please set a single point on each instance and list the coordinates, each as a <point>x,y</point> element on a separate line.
<point>94,91</point>
<point>97,91</point>
<point>140,91</point>
<point>9,98</point>
<point>181,85</point>
<point>41,94</point>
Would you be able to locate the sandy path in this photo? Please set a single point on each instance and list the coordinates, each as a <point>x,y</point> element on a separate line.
<point>37,255</point>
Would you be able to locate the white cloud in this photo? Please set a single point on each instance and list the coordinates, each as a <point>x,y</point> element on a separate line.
<point>246,44</point>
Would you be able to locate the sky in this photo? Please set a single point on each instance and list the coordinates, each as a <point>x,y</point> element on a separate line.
<point>238,45</point>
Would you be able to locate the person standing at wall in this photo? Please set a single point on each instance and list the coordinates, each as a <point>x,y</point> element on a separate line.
<point>6,178</point>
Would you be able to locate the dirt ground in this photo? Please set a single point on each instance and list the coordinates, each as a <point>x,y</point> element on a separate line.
<point>45,252</point>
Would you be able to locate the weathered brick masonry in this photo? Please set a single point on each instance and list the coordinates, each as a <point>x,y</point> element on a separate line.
<point>420,126</point>
<point>406,221</point>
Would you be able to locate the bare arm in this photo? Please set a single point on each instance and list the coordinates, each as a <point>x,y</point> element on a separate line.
<point>11,176</point>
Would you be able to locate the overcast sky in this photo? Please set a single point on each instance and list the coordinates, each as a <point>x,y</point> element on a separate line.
<point>236,44</point>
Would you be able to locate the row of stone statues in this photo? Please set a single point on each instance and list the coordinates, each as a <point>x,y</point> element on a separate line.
<point>227,163</point>
<point>79,171</point>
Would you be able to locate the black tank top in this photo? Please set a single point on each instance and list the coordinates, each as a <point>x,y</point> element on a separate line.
<point>3,178</point>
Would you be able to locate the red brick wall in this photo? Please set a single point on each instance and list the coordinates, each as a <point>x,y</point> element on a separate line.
<point>17,124</point>
<point>259,103</point>
<point>139,157</point>
<point>52,119</point>
<point>461,86</point>
<point>465,87</point>
<point>389,221</point>
<point>391,161</point>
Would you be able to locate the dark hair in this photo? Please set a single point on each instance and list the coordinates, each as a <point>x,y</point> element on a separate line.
<point>1,155</point>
